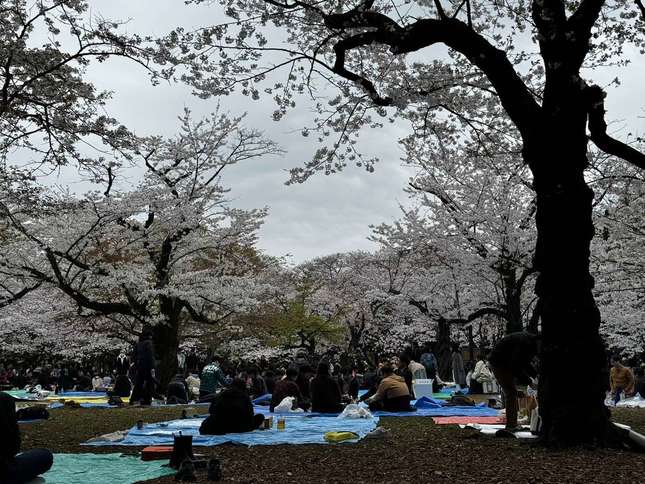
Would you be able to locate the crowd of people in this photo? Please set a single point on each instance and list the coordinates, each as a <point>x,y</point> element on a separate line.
<point>233,393</point>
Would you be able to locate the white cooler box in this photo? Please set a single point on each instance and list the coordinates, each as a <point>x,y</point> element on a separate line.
<point>422,387</point>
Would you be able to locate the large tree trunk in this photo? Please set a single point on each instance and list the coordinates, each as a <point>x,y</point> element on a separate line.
<point>572,409</point>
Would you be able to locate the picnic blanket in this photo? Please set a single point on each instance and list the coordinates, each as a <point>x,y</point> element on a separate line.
<point>102,469</point>
<point>22,395</point>
<point>468,420</point>
<point>431,407</point>
<point>634,402</point>
<point>425,407</point>
<point>491,429</point>
<point>299,429</point>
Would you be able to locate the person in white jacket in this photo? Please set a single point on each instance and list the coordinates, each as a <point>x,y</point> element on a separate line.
<point>480,375</point>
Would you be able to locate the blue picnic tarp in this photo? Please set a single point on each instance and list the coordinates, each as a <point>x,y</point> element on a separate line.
<point>299,429</point>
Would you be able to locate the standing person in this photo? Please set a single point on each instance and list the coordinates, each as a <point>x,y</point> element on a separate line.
<point>404,372</point>
<point>16,467</point>
<point>512,363</point>
<point>429,361</point>
<point>481,374</point>
<point>212,379</point>
<point>621,379</point>
<point>145,363</point>
<point>458,371</point>
<point>639,385</point>
<point>122,364</point>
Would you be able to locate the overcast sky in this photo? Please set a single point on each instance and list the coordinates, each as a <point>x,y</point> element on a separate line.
<point>326,214</point>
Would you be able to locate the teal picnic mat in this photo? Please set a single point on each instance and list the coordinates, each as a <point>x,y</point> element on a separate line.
<point>103,469</point>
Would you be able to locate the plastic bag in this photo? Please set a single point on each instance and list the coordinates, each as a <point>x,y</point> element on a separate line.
<point>355,411</point>
<point>286,406</point>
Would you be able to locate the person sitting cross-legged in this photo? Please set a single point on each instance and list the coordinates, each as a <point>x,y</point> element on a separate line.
<point>392,394</point>
<point>231,411</point>
<point>325,393</point>
<point>16,467</point>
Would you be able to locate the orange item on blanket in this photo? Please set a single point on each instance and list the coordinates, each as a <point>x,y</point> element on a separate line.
<point>159,452</point>
<point>468,420</point>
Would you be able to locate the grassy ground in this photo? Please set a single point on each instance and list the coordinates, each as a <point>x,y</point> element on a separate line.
<point>416,451</point>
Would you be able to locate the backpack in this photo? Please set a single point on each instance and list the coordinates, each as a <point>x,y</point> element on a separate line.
<point>32,413</point>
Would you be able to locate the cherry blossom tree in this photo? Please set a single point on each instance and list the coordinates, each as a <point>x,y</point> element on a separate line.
<point>377,54</point>
<point>170,252</point>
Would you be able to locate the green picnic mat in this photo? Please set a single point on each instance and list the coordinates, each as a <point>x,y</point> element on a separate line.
<point>103,469</point>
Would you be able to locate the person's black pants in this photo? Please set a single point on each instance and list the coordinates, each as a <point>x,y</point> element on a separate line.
<point>214,426</point>
<point>396,404</point>
<point>143,388</point>
<point>27,466</point>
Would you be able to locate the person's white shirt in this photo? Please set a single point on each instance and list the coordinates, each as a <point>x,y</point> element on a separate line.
<point>97,382</point>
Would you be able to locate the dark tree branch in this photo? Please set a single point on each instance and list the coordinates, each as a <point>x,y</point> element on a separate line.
<point>514,95</point>
<point>598,130</point>
<point>19,295</point>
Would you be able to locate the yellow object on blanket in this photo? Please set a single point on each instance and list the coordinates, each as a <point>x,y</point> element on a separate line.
<point>340,436</point>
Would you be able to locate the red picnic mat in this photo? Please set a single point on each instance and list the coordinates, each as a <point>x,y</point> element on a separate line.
<point>468,420</point>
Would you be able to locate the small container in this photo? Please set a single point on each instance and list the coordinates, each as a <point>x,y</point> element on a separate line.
<point>139,424</point>
<point>266,425</point>
<point>282,424</point>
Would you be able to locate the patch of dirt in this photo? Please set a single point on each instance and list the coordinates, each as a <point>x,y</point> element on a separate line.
<point>416,451</point>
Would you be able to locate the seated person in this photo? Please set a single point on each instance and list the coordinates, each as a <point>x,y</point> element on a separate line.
<point>231,411</point>
<point>621,379</point>
<point>325,394</point>
<point>305,374</point>
<point>639,386</point>
<point>97,383</point>
<point>257,386</point>
<point>193,383</point>
<point>122,386</point>
<point>177,392</point>
<point>269,380</point>
<point>286,387</point>
<point>392,394</point>
<point>15,467</point>
<point>211,380</point>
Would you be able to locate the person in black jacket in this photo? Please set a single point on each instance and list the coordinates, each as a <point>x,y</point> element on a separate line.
<point>145,362</point>
<point>16,467</point>
<point>512,364</point>
<point>325,393</point>
<point>231,411</point>
<point>177,392</point>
